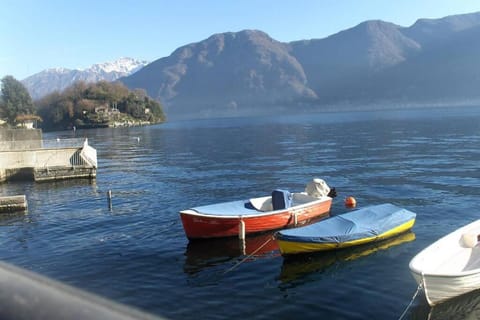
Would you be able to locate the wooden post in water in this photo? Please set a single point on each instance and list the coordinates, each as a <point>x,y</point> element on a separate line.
<point>241,230</point>
<point>109,197</point>
<point>13,203</point>
<point>241,236</point>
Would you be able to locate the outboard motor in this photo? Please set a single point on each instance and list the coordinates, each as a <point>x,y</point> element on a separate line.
<point>318,188</point>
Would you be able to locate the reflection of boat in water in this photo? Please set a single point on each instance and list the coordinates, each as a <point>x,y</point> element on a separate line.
<point>205,253</point>
<point>296,266</point>
<point>466,306</point>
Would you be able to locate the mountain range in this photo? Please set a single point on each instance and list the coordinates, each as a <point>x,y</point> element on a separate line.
<point>374,64</point>
<point>57,79</point>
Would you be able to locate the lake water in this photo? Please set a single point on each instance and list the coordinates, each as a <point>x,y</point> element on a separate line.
<point>136,252</point>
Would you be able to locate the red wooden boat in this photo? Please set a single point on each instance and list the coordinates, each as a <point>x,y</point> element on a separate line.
<point>238,218</point>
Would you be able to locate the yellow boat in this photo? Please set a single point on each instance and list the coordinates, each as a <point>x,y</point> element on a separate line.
<point>362,226</point>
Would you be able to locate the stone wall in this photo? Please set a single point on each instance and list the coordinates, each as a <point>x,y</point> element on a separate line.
<point>20,139</point>
<point>44,164</point>
<point>22,157</point>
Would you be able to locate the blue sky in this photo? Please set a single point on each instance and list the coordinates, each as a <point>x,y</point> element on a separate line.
<point>40,34</point>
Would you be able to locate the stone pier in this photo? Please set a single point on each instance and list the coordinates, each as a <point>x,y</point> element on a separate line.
<point>45,160</point>
<point>13,204</point>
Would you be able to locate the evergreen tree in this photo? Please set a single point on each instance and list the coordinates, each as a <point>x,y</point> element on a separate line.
<point>15,99</point>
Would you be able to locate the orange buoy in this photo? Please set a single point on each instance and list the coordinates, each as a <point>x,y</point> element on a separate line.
<point>350,202</point>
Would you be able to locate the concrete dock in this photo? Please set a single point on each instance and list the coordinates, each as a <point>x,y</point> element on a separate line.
<point>13,204</point>
<point>45,160</point>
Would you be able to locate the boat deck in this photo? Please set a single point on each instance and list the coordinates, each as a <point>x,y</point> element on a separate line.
<point>245,207</point>
<point>232,208</point>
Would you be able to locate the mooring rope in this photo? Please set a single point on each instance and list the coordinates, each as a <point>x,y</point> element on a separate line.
<point>411,301</point>
<point>249,256</point>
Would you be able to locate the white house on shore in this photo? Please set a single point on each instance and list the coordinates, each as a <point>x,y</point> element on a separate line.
<point>27,121</point>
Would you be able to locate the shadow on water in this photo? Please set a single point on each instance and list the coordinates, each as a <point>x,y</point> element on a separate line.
<point>297,266</point>
<point>34,189</point>
<point>466,306</point>
<point>65,183</point>
<point>12,218</point>
<point>202,254</point>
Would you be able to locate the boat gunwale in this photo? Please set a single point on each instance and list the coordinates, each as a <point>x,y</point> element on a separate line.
<point>457,274</point>
<point>192,212</point>
<point>442,275</point>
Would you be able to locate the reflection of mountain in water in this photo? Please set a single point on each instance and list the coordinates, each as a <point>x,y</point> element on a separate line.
<point>297,266</point>
<point>206,253</point>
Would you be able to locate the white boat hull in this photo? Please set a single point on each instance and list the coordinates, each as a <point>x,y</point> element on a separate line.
<point>449,267</point>
<point>442,288</point>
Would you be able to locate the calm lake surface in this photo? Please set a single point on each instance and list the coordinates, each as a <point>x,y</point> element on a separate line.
<point>136,253</point>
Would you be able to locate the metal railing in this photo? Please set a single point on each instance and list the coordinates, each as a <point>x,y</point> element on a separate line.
<point>63,143</point>
<point>77,160</point>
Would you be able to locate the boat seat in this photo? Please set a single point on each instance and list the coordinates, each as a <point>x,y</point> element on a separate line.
<point>469,240</point>
<point>263,204</point>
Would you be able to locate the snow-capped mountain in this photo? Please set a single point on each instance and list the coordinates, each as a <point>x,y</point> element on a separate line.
<point>122,65</point>
<point>57,79</point>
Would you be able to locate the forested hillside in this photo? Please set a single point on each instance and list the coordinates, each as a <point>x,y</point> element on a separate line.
<point>99,104</point>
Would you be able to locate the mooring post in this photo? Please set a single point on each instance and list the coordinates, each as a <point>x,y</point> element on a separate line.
<point>109,197</point>
<point>241,229</point>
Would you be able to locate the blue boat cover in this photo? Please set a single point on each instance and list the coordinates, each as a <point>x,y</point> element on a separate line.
<point>359,224</point>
